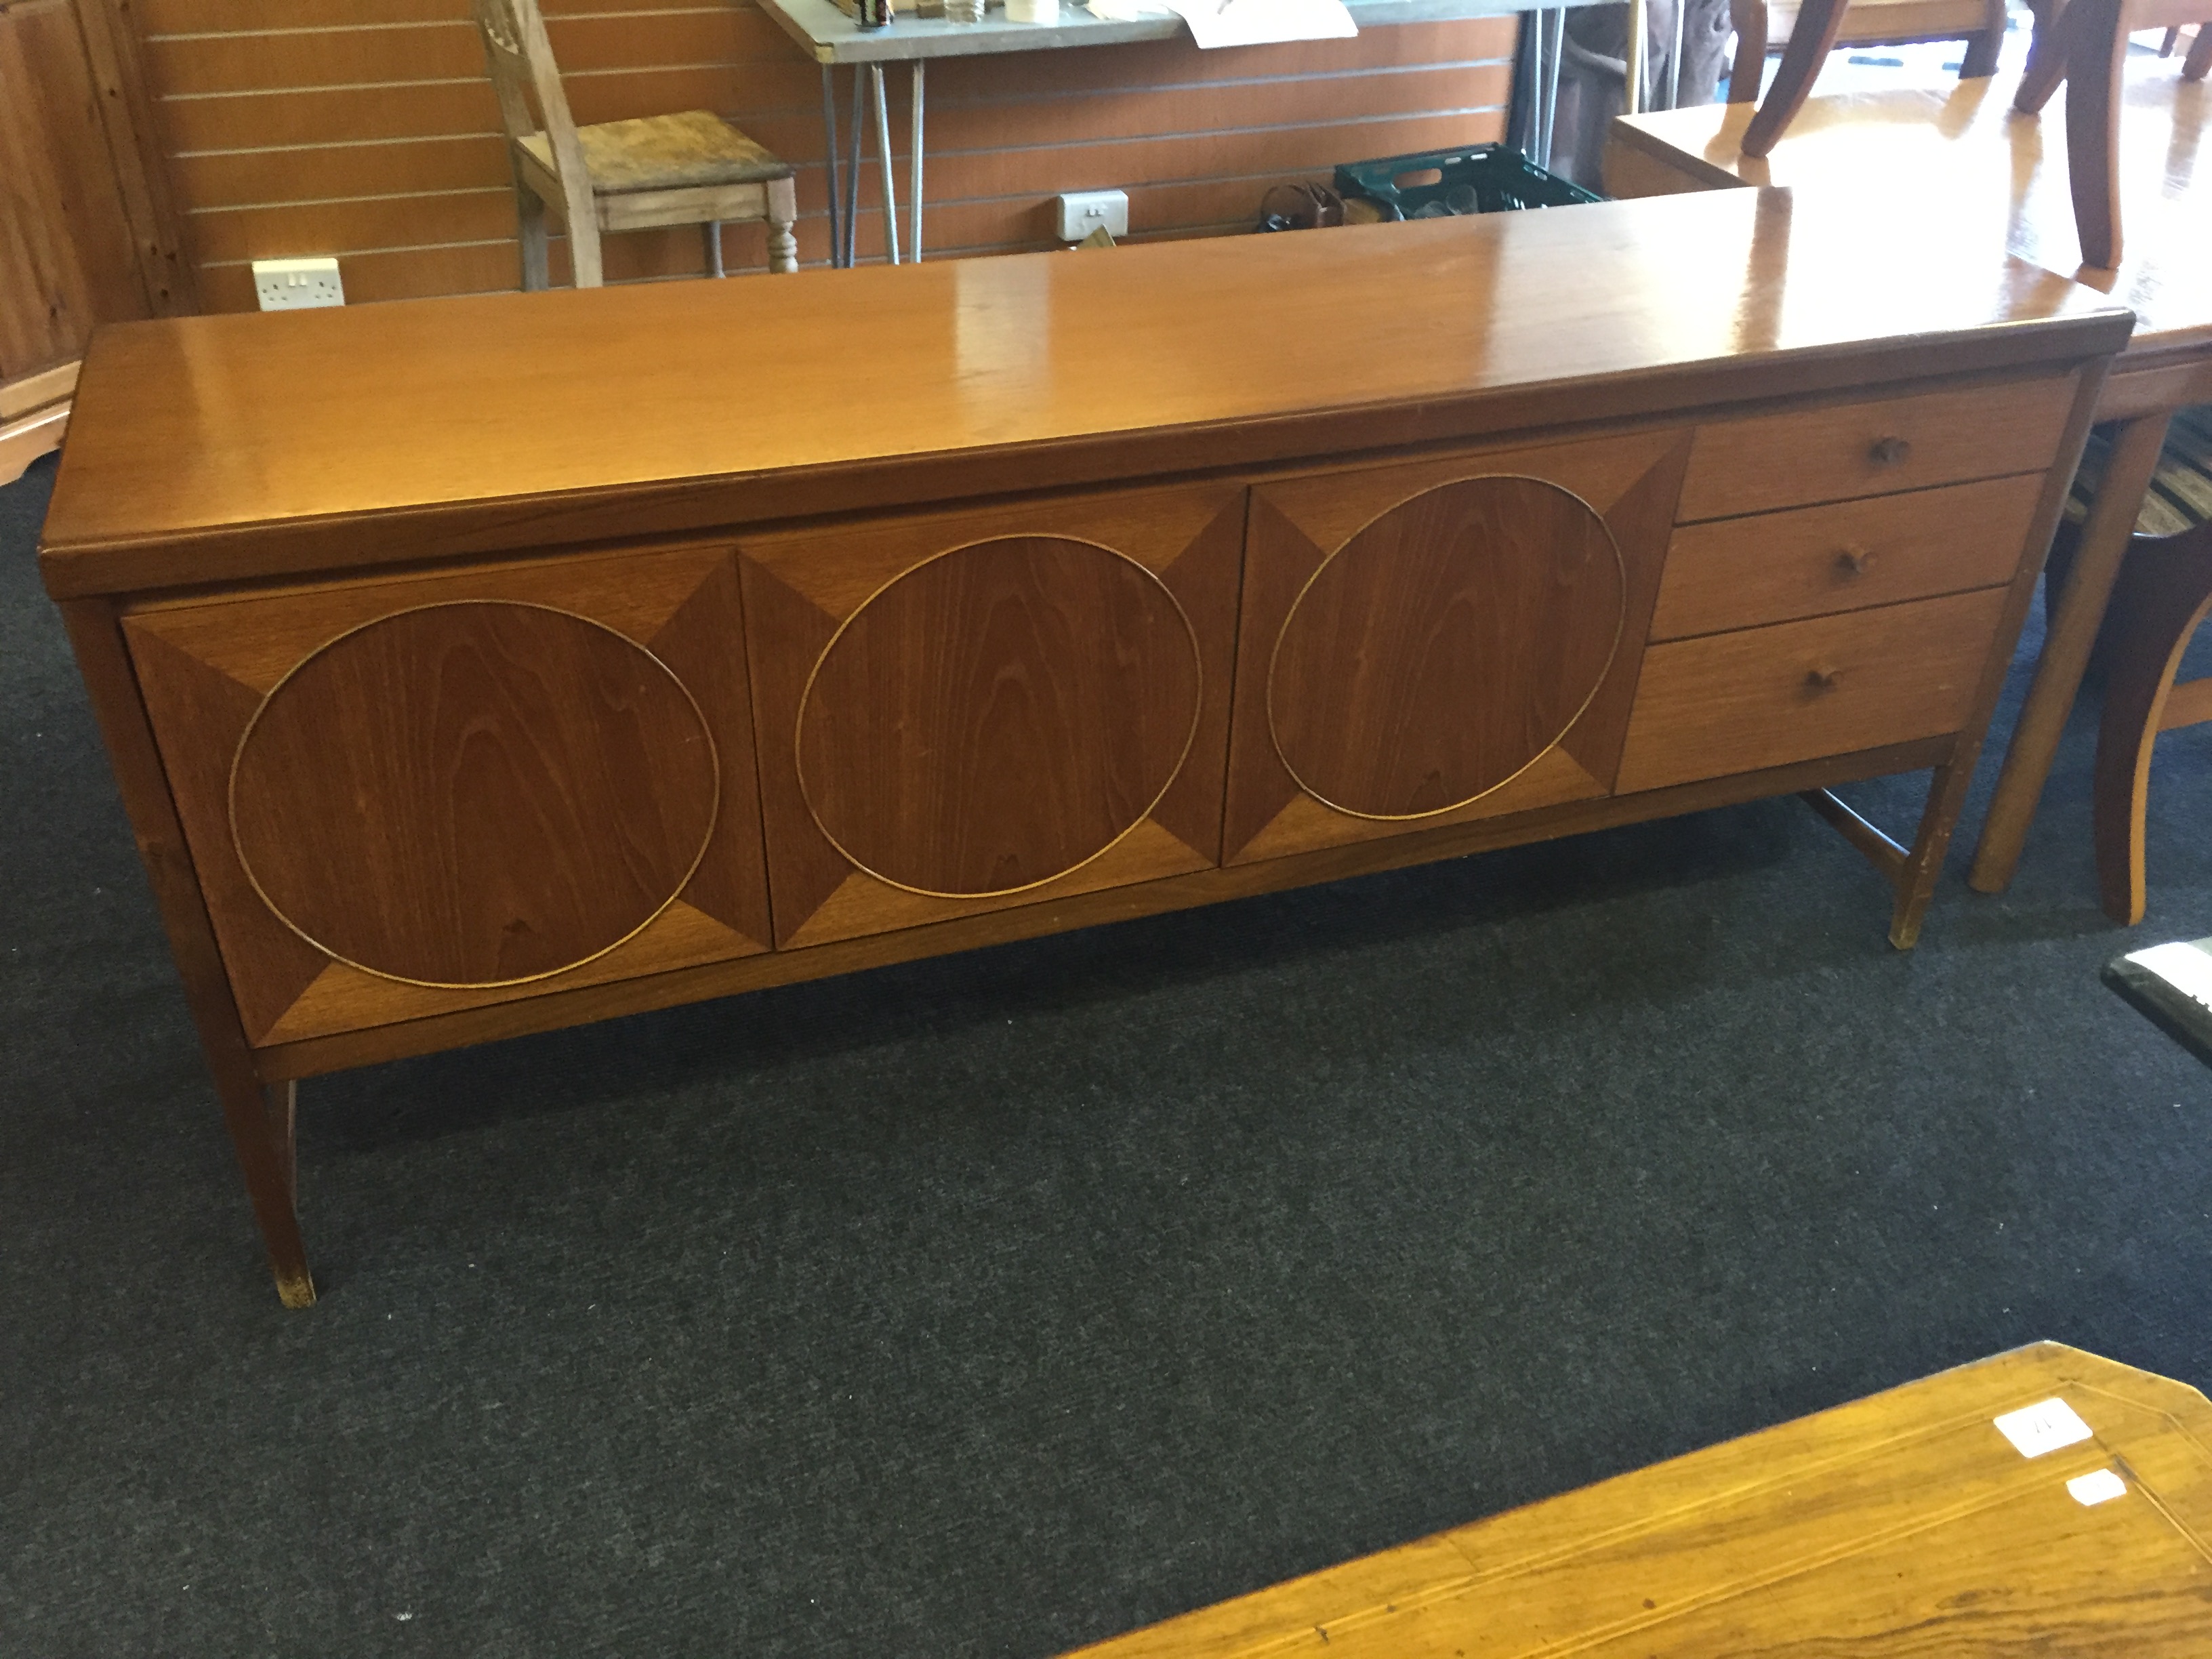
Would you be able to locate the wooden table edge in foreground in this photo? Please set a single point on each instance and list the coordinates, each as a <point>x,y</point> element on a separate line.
<point>1908,1522</point>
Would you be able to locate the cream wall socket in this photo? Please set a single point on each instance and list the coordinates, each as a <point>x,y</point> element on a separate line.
<point>297,284</point>
<point>1084,211</point>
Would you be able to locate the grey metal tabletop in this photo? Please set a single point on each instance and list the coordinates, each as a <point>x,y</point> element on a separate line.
<point>828,35</point>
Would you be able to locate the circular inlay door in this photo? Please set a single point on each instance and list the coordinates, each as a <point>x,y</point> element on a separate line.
<point>1445,646</point>
<point>999,715</point>
<point>474,794</point>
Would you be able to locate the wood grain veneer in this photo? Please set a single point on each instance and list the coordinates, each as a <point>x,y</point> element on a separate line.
<point>503,723</point>
<point>1775,567</point>
<point>1902,1525</point>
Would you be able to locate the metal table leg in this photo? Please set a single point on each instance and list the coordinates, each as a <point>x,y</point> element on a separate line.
<point>1554,59</point>
<point>914,186</point>
<point>1637,54</point>
<point>830,150</point>
<point>883,155</point>
<point>853,172</point>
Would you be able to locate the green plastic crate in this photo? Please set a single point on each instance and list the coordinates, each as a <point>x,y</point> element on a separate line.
<point>1501,177</point>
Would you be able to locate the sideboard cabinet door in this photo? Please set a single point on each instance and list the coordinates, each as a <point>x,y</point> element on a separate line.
<point>1446,640</point>
<point>416,795</point>
<point>959,713</point>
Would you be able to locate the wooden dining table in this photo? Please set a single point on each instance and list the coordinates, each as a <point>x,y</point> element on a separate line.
<point>1980,182</point>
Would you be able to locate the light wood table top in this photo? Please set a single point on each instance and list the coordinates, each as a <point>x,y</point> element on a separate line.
<point>497,411</point>
<point>1977,179</point>
<point>1905,1524</point>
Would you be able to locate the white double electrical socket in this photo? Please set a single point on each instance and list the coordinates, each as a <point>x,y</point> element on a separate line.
<point>297,284</point>
<point>1084,211</point>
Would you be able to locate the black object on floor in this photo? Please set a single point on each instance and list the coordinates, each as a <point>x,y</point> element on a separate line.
<point>2172,985</point>
<point>997,1303</point>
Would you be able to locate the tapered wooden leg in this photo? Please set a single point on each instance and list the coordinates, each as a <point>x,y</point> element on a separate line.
<point>2094,62</point>
<point>2198,63</point>
<point>1749,68</point>
<point>2162,596</point>
<point>261,1132</point>
<point>531,211</point>
<point>1983,49</point>
<point>2073,630</point>
<point>2047,52</point>
<point>783,214</point>
<point>1812,36</point>
<point>1923,861</point>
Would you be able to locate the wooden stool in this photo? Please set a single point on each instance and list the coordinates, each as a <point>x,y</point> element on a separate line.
<point>693,168</point>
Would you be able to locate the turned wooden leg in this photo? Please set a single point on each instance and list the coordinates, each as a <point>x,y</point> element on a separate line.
<point>1983,48</point>
<point>531,211</point>
<point>261,1132</point>
<point>710,236</point>
<point>1811,38</point>
<point>2073,630</point>
<point>2163,595</point>
<point>2198,63</point>
<point>2094,62</point>
<point>782,213</point>
<point>1749,67</point>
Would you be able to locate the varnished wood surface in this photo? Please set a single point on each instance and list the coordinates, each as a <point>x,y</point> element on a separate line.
<point>1300,528</point>
<point>1975,180</point>
<point>1764,696</point>
<point>1843,555</point>
<point>1000,706</point>
<point>999,715</point>
<point>422,815</point>
<point>1446,646</point>
<point>472,793</point>
<point>67,261</point>
<point>955,928</point>
<point>486,423</point>
<point>1877,447</point>
<point>1904,1526</point>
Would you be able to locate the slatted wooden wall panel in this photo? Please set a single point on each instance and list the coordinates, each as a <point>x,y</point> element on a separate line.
<point>366,129</point>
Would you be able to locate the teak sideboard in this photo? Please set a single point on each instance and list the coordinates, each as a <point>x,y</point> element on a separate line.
<point>480,666</point>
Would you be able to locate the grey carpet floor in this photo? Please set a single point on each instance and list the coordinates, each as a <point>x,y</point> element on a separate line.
<point>998,1303</point>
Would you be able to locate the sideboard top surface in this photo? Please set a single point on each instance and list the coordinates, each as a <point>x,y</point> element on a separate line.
<point>230,447</point>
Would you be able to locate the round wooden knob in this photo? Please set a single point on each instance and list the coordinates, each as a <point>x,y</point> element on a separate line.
<point>1823,679</point>
<point>1851,562</point>
<point>1888,452</point>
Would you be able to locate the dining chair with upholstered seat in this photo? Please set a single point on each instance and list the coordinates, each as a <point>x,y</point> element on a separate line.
<point>690,168</point>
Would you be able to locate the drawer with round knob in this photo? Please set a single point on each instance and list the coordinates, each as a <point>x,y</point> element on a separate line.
<point>1723,703</point>
<point>1839,451</point>
<point>1843,555</point>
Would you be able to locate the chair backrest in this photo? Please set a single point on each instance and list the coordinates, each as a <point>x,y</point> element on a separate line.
<point>520,58</point>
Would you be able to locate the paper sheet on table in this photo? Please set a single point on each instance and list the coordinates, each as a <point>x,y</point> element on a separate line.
<point>1252,23</point>
<point>1128,11</point>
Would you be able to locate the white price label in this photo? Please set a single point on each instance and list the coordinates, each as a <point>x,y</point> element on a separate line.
<point>2043,1427</point>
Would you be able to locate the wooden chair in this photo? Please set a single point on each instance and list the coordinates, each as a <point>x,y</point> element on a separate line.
<point>2085,47</point>
<point>2163,597</point>
<point>1979,23</point>
<point>2160,600</point>
<point>694,168</point>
